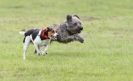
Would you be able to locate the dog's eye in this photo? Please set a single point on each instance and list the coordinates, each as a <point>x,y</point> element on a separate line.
<point>53,31</point>
<point>75,24</point>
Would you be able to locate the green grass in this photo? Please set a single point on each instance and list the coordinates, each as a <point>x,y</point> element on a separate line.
<point>106,55</point>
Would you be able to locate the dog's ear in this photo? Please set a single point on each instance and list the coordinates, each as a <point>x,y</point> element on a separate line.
<point>76,16</point>
<point>49,29</point>
<point>69,18</point>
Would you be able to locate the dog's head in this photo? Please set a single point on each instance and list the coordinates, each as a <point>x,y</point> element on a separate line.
<point>51,32</point>
<point>74,24</point>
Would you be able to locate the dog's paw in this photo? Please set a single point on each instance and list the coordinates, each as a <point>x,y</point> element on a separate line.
<point>81,40</point>
<point>39,53</point>
<point>45,53</point>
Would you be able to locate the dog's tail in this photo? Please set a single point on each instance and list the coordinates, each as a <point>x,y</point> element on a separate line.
<point>22,32</point>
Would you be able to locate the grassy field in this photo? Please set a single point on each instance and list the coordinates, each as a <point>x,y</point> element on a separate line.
<point>106,55</point>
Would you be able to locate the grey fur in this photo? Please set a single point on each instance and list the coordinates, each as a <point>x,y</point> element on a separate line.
<point>69,30</point>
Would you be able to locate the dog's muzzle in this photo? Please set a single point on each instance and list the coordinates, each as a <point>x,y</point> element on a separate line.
<point>80,29</point>
<point>55,34</point>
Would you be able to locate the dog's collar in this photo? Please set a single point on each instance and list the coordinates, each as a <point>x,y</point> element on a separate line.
<point>44,34</point>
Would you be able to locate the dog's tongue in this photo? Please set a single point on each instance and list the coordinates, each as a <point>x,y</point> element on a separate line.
<point>44,34</point>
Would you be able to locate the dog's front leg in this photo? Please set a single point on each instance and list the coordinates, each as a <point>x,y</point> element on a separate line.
<point>37,48</point>
<point>79,38</point>
<point>45,50</point>
<point>65,38</point>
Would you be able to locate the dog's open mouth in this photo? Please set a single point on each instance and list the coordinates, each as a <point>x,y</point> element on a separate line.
<point>79,31</point>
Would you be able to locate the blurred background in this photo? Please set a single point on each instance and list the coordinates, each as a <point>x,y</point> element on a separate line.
<point>106,54</point>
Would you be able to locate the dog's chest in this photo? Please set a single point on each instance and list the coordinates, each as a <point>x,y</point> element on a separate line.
<point>44,42</point>
<point>38,41</point>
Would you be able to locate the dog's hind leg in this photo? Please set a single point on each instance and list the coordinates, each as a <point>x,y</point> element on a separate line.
<point>25,46</point>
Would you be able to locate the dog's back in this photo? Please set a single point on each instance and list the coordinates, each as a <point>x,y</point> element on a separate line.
<point>32,32</point>
<point>29,32</point>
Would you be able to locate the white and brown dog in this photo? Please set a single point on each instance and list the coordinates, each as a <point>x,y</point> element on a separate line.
<point>39,37</point>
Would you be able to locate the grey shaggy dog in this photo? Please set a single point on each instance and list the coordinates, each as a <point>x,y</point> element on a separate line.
<point>69,30</point>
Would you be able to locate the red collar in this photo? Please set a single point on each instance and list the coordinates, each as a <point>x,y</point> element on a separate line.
<point>44,34</point>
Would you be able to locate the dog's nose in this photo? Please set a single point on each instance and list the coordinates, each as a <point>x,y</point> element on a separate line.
<point>81,28</point>
<point>58,36</point>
